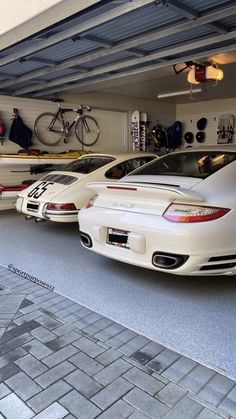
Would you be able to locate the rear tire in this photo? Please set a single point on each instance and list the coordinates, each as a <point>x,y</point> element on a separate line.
<point>87,130</point>
<point>43,134</point>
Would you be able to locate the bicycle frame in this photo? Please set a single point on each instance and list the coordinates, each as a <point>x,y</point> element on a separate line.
<point>60,113</point>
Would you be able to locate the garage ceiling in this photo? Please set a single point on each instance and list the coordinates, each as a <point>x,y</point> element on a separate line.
<point>125,47</point>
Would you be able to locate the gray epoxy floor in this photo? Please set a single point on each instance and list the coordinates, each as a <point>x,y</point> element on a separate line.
<point>193,316</point>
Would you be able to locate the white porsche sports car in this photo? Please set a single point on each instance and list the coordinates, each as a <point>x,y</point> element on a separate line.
<point>59,195</point>
<point>176,214</point>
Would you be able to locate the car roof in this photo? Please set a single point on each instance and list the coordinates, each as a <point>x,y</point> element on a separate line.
<point>125,155</point>
<point>211,147</point>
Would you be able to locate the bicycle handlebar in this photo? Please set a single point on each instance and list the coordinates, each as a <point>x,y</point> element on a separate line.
<point>80,109</point>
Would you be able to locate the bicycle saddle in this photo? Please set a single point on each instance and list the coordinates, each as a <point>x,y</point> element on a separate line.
<point>57,100</point>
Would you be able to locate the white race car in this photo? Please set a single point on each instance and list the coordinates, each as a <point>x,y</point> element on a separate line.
<point>176,214</point>
<point>59,195</point>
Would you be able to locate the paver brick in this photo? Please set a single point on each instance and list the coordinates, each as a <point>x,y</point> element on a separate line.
<point>55,411</point>
<point>20,330</point>
<point>56,299</point>
<point>146,403</point>
<point>229,403</point>
<point>60,356</point>
<point>179,369</point>
<point>197,378</point>
<point>37,349</point>
<point>24,287</point>
<point>148,352</point>
<point>109,356</point>
<point>48,322</point>
<point>64,340</point>
<point>79,406</point>
<point>216,389</point>
<point>209,414</point>
<point>134,345</point>
<point>171,394</point>
<point>86,363</point>
<point>185,408</point>
<point>139,415</point>
<point>27,317</point>
<point>15,343</point>
<point>106,333</point>
<point>119,410</point>
<point>98,326</point>
<point>111,393</point>
<point>4,390</point>
<point>54,374</point>
<point>63,330</point>
<point>113,371</point>
<point>23,386</point>
<point>39,299</point>
<point>143,380</point>
<point>86,385</point>
<point>48,396</point>
<point>122,338</point>
<point>43,334</point>
<point>163,360</point>
<point>87,320</point>
<point>11,356</point>
<point>39,291</point>
<point>89,347</point>
<point>70,318</point>
<point>55,308</point>
<point>31,365</point>
<point>29,308</point>
<point>12,404</point>
<point>25,303</point>
<point>8,371</point>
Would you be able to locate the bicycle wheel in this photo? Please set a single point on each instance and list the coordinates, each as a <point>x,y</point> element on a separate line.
<point>87,130</point>
<point>46,135</point>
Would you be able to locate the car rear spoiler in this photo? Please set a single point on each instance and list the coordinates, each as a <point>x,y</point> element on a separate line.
<point>126,188</point>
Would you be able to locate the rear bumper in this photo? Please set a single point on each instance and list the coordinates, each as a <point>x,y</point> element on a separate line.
<point>40,211</point>
<point>200,249</point>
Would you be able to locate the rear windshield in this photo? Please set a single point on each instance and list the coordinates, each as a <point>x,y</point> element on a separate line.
<point>195,164</point>
<point>87,164</point>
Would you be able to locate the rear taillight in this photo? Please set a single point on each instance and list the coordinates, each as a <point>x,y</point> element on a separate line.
<point>61,207</point>
<point>90,203</point>
<point>185,213</point>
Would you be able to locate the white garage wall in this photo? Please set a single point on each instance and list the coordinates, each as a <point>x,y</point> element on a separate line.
<point>164,113</point>
<point>189,114</point>
<point>113,125</point>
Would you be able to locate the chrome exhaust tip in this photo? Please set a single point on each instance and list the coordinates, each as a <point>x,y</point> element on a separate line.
<point>86,240</point>
<point>28,217</point>
<point>39,220</point>
<point>168,260</point>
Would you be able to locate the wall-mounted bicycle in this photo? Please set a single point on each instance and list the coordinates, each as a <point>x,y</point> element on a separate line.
<point>51,128</point>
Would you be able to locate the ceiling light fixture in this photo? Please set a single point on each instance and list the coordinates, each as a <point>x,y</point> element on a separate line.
<point>179,93</point>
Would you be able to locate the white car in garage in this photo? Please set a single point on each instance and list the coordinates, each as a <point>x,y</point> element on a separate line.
<point>176,214</point>
<point>59,195</point>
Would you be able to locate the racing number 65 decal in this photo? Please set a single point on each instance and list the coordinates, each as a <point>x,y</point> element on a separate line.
<point>39,190</point>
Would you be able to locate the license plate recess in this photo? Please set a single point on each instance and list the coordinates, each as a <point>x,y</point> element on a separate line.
<point>117,237</point>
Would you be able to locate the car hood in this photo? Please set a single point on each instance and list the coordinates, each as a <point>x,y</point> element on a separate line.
<point>146,197</point>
